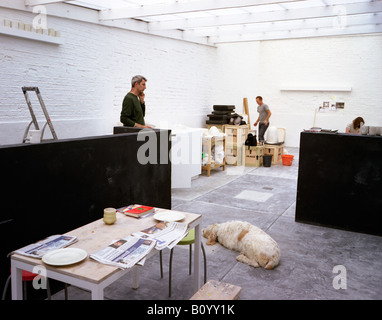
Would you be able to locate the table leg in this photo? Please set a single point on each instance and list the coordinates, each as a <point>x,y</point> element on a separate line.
<point>197,261</point>
<point>16,283</point>
<point>135,277</point>
<point>97,293</point>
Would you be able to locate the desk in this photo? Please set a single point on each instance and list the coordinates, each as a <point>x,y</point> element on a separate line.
<point>90,274</point>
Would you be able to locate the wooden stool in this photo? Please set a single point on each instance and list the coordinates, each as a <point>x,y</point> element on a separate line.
<point>215,290</point>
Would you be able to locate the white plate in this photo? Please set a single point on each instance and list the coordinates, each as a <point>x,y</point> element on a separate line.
<point>169,216</point>
<point>64,256</point>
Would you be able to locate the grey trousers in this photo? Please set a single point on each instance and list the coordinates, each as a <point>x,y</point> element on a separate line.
<point>262,129</point>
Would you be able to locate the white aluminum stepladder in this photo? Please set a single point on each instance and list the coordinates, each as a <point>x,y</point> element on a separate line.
<point>34,120</point>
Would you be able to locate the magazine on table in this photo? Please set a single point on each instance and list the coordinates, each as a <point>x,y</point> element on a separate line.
<point>166,234</point>
<point>137,211</point>
<point>38,249</point>
<point>125,253</point>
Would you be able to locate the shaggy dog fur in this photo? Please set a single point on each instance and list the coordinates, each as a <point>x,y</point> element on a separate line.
<point>255,246</point>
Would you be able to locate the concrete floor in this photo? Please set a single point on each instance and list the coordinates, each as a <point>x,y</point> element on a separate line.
<point>266,198</point>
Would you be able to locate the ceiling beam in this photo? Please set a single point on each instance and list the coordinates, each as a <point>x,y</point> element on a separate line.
<point>247,18</point>
<point>298,34</point>
<point>331,22</point>
<point>31,3</point>
<point>139,26</point>
<point>182,7</point>
<point>58,9</point>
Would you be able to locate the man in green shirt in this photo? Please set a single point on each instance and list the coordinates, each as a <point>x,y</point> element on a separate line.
<point>133,105</point>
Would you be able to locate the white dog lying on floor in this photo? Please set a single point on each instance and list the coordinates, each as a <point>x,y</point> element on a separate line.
<point>255,246</point>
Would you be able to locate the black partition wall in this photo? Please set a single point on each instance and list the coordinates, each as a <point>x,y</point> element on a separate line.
<point>54,187</point>
<point>340,181</point>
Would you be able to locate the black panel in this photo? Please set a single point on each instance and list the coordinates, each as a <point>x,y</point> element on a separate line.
<point>340,181</point>
<point>54,187</point>
<point>124,129</point>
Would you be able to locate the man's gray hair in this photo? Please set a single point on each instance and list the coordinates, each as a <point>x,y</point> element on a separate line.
<point>136,79</point>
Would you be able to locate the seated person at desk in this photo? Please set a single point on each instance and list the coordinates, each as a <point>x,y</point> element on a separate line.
<point>355,126</point>
<point>133,105</point>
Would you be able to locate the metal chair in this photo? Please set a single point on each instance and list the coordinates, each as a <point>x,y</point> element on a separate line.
<point>189,239</point>
<point>26,277</point>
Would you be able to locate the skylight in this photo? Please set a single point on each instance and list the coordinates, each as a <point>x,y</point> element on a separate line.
<point>215,21</point>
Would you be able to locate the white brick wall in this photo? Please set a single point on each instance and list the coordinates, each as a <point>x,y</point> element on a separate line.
<point>84,80</point>
<point>262,68</point>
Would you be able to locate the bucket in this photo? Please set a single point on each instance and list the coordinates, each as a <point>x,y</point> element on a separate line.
<point>35,136</point>
<point>267,160</point>
<point>287,159</point>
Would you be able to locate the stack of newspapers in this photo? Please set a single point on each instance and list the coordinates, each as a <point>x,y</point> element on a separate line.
<point>124,253</point>
<point>166,234</point>
<point>133,249</point>
<point>38,249</point>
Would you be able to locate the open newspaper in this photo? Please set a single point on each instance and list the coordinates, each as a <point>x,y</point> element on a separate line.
<point>38,249</point>
<point>124,253</point>
<point>166,234</point>
<point>127,252</point>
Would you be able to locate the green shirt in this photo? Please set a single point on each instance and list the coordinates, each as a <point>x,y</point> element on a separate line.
<point>133,111</point>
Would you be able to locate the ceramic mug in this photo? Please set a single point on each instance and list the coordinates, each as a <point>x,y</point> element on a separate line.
<point>109,215</point>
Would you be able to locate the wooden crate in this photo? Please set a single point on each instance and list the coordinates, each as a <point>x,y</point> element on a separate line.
<point>254,156</point>
<point>234,147</point>
<point>215,290</point>
<point>208,143</point>
<point>236,134</point>
<point>234,154</point>
<point>231,150</point>
<point>276,151</point>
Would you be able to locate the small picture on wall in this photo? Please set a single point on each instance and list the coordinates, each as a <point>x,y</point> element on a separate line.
<point>325,104</point>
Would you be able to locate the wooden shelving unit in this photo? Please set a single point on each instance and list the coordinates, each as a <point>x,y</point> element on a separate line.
<point>208,144</point>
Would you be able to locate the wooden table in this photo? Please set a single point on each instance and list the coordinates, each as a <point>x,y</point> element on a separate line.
<point>90,274</point>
